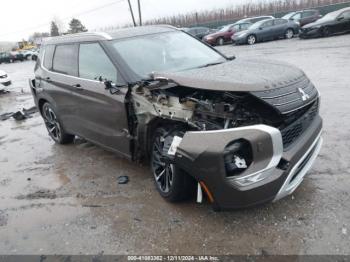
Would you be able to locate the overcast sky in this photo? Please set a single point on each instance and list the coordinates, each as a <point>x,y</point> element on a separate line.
<point>19,19</point>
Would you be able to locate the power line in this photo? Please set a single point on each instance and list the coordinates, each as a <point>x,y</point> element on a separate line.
<point>140,16</point>
<point>132,13</point>
<point>65,18</point>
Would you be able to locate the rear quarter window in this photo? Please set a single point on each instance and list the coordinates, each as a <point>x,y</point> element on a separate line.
<point>308,13</point>
<point>65,59</point>
<point>48,55</point>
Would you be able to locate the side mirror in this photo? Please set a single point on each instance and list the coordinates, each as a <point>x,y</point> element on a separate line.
<point>113,89</point>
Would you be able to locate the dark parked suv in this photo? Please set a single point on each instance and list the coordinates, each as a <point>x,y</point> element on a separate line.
<point>204,122</point>
<point>304,17</point>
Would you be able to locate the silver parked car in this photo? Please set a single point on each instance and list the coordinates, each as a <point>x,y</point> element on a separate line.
<point>269,29</point>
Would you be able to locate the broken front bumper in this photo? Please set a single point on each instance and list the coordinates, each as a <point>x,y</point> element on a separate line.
<point>273,173</point>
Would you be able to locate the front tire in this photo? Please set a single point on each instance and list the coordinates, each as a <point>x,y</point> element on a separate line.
<point>220,41</point>
<point>326,31</point>
<point>172,183</point>
<point>251,39</point>
<point>54,126</point>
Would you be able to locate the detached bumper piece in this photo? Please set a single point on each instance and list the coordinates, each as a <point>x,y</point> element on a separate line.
<point>246,166</point>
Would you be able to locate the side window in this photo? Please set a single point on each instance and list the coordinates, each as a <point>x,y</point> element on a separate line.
<point>236,28</point>
<point>245,26</point>
<point>49,50</point>
<point>307,14</point>
<point>267,24</point>
<point>94,63</point>
<point>65,59</point>
<point>280,21</point>
<point>346,15</point>
<point>297,16</point>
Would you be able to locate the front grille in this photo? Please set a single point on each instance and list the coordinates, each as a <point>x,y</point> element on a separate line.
<point>289,97</point>
<point>293,131</point>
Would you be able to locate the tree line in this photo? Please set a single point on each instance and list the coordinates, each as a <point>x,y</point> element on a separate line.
<point>240,11</point>
<point>56,29</point>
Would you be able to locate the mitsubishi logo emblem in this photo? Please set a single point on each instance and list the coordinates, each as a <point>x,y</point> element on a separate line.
<point>304,96</point>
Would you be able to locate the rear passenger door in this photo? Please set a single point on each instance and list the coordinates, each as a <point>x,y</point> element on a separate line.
<point>280,27</point>
<point>102,114</point>
<point>58,78</point>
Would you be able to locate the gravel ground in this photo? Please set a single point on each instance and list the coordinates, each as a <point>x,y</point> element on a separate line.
<point>66,199</point>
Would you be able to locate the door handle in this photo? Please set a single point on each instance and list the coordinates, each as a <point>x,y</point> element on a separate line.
<point>78,86</point>
<point>48,79</point>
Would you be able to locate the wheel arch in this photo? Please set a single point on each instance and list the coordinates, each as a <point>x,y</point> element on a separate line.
<point>145,132</point>
<point>291,28</point>
<point>41,103</point>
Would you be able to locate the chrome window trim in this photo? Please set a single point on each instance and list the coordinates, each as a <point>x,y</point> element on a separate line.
<point>60,74</point>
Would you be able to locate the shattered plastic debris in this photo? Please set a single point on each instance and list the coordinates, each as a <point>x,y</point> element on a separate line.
<point>19,115</point>
<point>123,180</point>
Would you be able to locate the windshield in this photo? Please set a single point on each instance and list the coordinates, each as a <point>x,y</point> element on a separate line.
<point>166,52</point>
<point>287,16</point>
<point>330,16</point>
<point>225,28</point>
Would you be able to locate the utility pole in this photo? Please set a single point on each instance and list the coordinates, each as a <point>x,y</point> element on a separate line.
<point>140,16</point>
<point>132,13</point>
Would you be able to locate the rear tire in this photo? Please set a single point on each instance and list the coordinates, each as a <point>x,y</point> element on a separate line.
<point>54,126</point>
<point>289,34</point>
<point>172,183</point>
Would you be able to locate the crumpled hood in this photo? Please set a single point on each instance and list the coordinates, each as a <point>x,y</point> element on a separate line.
<point>238,75</point>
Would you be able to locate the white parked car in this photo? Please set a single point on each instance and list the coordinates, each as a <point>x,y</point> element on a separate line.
<point>4,79</point>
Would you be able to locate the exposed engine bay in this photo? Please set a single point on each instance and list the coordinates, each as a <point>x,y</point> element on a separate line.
<point>202,110</point>
<point>191,109</point>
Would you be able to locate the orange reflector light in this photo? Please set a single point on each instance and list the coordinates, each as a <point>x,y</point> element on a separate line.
<point>206,190</point>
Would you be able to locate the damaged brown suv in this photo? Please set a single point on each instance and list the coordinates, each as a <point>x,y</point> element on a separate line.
<point>240,131</point>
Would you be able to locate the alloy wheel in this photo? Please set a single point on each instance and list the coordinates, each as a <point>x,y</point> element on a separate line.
<point>251,40</point>
<point>162,171</point>
<point>289,34</point>
<point>51,123</point>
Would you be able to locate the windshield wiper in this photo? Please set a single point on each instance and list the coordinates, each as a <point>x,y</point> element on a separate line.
<point>210,64</point>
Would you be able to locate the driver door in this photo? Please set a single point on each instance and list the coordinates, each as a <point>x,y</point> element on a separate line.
<point>345,21</point>
<point>102,115</point>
